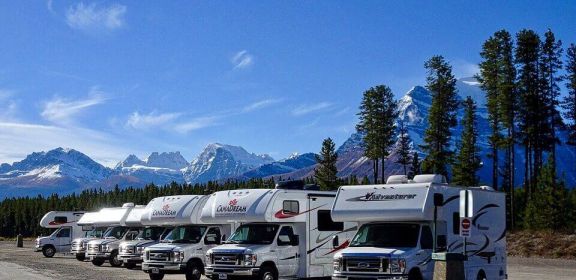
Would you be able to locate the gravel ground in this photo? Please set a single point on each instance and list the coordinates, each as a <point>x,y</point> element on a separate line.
<point>24,263</point>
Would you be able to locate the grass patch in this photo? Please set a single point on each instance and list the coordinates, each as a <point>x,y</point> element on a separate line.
<point>545,243</point>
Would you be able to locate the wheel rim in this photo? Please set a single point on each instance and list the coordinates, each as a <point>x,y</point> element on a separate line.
<point>49,251</point>
<point>268,276</point>
<point>196,273</point>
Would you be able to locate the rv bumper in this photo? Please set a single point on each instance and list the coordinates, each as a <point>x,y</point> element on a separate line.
<point>215,272</point>
<point>133,258</point>
<point>37,248</point>
<point>339,276</point>
<point>78,251</point>
<point>95,256</point>
<point>162,267</point>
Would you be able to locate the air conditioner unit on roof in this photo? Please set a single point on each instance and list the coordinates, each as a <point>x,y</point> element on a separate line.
<point>397,179</point>
<point>430,178</point>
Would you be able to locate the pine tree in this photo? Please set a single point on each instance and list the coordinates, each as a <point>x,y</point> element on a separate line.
<point>550,64</point>
<point>414,166</point>
<point>467,160</point>
<point>403,147</point>
<point>569,102</point>
<point>490,81</point>
<point>442,115</point>
<point>531,118</point>
<point>326,172</point>
<point>378,114</point>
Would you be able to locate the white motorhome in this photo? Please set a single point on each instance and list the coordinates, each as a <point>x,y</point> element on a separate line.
<point>65,223</point>
<point>106,248</point>
<point>399,231</point>
<point>92,231</point>
<point>183,250</point>
<point>130,252</point>
<point>283,233</point>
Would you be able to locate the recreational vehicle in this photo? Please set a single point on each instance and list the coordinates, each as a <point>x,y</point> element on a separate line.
<point>183,250</point>
<point>106,248</point>
<point>284,232</point>
<point>130,252</point>
<point>65,223</point>
<point>93,230</point>
<point>402,223</point>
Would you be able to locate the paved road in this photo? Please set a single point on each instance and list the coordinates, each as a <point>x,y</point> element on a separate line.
<point>23,263</point>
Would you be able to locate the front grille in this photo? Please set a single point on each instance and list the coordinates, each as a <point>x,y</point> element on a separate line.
<point>94,248</point>
<point>227,259</point>
<point>163,256</point>
<point>365,264</point>
<point>76,246</point>
<point>127,249</point>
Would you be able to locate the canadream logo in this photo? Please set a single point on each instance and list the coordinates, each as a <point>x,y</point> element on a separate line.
<point>166,211</point>
<point>232,207</point>
<point>372,196</point>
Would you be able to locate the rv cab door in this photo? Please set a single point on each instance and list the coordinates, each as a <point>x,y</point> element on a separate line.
<point>64,239</point>
<point>288,251</point>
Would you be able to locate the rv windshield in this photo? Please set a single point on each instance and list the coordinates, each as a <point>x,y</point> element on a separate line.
<point>387,235</point>
<point>95,233</point>
<point>115,232</point>
<point>254,234</point>
<point>151,233</point>
<point>185,234</point>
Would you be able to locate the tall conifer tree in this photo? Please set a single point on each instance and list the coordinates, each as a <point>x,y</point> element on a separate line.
<point>326,172</point>
<point>467,160</point>
<point>442,115</point>
<point>414,166</point>
<point>569,102</point>
<point>403,147</point>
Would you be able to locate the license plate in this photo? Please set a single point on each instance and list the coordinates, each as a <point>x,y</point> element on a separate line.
<point>155,270</point>
<point>222,276</point>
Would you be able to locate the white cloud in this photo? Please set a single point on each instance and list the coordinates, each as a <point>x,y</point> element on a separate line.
<point>242,59</point>
<point>153,119</point>
<point>310,108</point>
<point>260,104</point>
<point>60,110</point>
<point>465,69</point>
<point>20,139</point>
<point>93,17</point>
<point>197,123</point>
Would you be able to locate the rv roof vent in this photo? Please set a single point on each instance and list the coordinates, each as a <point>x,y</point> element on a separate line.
<point>487,188</point>
<point>291,185</point>
<point>397,179</point>
<point>430,178</point>
<point>128,205</point>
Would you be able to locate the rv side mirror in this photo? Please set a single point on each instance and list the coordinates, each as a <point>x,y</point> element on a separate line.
<point>438,199</point>
<point>295,240</point>
<point>335,242</point>
<point>441,243</point>
<point>223,238</point>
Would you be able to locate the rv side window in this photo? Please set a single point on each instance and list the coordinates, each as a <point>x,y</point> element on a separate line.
<point>291,206</point>
<point>456,222</point>
<point>286,236</point>
<point>213,236</point>
<point>60,220</point>
<point>426,241</point>
<point>325,222</point>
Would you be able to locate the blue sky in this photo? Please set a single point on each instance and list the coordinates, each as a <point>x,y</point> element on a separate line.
<point>110,78</point>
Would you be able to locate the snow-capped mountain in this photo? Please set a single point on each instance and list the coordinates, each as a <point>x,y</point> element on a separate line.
<point>157,168</point>
<point>53,171</point>
<point>291,164</point>
<point>219,161</point>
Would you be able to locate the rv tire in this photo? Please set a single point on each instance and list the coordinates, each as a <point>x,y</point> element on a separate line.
<point>414,275</point>
<point>114,260</point>
<point>193,270</point>
<point>159,276</point>
<point>81,257</point>
<point>268,272</point>
<point>481,275</point>
<point>97,262</point>
<point>48,251</point>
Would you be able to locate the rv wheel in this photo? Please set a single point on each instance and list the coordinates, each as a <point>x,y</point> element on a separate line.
<point>130,265</point>
<point>414,275</point>
<point>49,251</point>
<point>97,262</point>
<point>481,275</point>
<point>193,271</point>
<point>81,257</point>
<point>156,276</point>
<point>114,261</point>
<point>267,273</point>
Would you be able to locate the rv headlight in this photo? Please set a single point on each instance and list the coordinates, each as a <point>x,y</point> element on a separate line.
<point>178,256</point>
<point>250,259</point>
<point>104,248</point>
<point>209,258</point>
<point>337,263</point>
<point>397,265</point>
<point>83,244</point>
<point>139,249</point>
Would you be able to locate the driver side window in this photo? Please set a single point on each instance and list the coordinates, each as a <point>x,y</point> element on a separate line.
<point>286,236</point>
<point>65,232</point>
<point>213,236</point>
<point>426,240</point>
